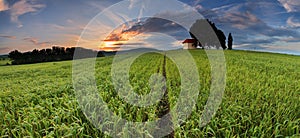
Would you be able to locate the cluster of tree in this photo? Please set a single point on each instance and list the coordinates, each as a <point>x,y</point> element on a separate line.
<point>208,35</point>
<point>49,55</point>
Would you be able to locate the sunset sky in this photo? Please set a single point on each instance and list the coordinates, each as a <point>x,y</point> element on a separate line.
<point>265,25</point>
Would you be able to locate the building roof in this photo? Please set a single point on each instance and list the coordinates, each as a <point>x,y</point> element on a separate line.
<point>189,41</point>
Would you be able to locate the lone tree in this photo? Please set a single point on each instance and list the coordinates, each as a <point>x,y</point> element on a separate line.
<point>229,41</point>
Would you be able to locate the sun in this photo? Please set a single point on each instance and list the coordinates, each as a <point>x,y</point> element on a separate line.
<point>111,45</point>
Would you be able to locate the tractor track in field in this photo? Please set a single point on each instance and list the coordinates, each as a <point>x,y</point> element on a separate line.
<point>164,105</point>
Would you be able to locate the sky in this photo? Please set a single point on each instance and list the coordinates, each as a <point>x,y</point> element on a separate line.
<point>261,25</point>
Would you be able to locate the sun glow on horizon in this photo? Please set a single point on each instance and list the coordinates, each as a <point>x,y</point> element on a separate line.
<point>111,45</point>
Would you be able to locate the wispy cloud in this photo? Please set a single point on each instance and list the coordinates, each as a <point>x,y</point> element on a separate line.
<point>241,20</point>
<point>58,27</point>
<point>69,25</point>
<point>291,5</point>
<point>3,5</point>
<point>8,36</point>
<point>35,41</point>
<point>250,28</point>
<point>22,7</point>
<point>292,23</point>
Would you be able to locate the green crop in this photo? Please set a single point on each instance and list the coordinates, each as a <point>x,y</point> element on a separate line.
<point>261,98</point>
<point>4,61</point>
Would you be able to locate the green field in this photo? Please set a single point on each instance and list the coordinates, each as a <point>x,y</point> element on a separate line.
<point>261,98</point>
<point>4,61</point>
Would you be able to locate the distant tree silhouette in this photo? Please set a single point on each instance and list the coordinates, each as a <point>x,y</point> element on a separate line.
<point>48,55</point>
<point>230,40</point>
<point>207,31</point>
<point>16,56</point>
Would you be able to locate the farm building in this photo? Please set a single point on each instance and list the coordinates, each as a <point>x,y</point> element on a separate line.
<point>189,44</point>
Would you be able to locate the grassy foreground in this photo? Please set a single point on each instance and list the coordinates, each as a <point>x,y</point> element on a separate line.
<point>261,98</point>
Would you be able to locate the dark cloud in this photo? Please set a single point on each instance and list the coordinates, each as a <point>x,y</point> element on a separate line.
<point>244,21</point>
<point>247,23</point>
<point>150,25</point>
<point>162,26</point>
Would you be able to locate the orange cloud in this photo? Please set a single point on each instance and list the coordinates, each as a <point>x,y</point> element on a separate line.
<point>122,34</point>
<point>3,5</point>
<point>22,7</point>
<point>118,37</point>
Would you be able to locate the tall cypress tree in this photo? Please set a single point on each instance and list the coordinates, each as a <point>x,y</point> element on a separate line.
<point>229,41</point>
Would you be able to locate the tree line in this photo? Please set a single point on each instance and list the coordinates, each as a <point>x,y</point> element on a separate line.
<point>205,38</point>
<point>49,55</point>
